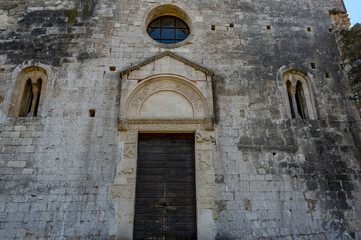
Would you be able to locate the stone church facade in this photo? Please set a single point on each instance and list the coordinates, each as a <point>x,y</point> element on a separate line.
<point>178,120</point>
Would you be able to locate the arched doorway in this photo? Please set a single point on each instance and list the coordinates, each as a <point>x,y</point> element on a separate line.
<point>165,102</point>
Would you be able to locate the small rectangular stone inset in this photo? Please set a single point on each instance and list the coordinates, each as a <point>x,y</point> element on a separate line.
<point>20,128</point>
<point>15,134</point>
<point>28,171</point>
<point>16,164</point>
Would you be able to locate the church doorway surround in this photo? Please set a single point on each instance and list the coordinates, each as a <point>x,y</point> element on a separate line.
<point>165,94</point>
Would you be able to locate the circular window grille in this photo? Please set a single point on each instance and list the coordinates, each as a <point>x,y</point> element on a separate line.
<point>168,30</point>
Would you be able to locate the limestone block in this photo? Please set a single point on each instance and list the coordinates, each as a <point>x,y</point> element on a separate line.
<point>29,149</point>
<point>21,233</point>
<point>125,220</point>
<point>28,171</point>
<point>205,223</point>
<point>15,134</point>
<point>16,164</point>
<point>2,207</point>
<point>27,141</point>
<point>16,141</point>
<point>20,128</point>
<point>5,134</point>
<point>122,192</point>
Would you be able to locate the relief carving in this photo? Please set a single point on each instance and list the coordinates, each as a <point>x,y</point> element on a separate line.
<point>205,169</point>
<point>130,150</point>
<point>152,87</point>
<point>119,192</point>
<point>126,171</point>
<point>204,137</point>
<point>131,137</point>
<point>166,127</point>
<point>207,191</point>
<point>204,159</point>
<point>207,178</point>
<point>122,124</point>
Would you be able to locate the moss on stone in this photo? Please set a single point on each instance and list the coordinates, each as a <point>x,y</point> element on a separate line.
<point>72,15</point>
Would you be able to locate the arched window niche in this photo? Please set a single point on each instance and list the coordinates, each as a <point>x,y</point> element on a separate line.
<point>298,95</point>
<point>29,92</point>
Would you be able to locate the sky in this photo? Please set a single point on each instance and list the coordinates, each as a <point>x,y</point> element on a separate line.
<point>354,10</point>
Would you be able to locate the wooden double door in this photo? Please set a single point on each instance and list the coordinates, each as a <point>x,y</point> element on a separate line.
<point>165,203</point>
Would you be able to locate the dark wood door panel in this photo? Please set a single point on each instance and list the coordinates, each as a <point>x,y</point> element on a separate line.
<point>181,202</point>
<point>154,235</point>
<point>180,235</point>
<point>148,202</point>
<point>152,193</point>
<point>165,205</point>
<point>155,208</point>
<point>150,178</point>
<point>151,164</point>
<point>179,194</point>
<point>179,164</point>
<point>177,186</point>
<point>151,171</point>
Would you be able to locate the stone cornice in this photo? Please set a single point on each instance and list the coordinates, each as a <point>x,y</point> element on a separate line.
<point>169,54</point>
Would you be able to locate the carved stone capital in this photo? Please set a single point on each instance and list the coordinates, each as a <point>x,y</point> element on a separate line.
<point>205,137</point>
<point>122,124</point>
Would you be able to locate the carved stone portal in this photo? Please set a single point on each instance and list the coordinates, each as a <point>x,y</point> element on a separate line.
<point>166,94</point>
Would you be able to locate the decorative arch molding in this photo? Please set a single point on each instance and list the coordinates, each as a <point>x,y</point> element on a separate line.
<point>33,71</point>
<point>166,83</point>
<point>166,77</point>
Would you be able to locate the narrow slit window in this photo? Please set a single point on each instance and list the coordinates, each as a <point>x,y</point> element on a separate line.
<point>91,113</point>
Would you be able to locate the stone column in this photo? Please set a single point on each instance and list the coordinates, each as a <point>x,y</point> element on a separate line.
<point>205,184</point>
<point>294,103</point>
<point>123,188</point>
<point>36,90</point>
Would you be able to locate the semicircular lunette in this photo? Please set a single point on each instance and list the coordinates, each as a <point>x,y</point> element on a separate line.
<point>166,104</point>
<point>165,99</point>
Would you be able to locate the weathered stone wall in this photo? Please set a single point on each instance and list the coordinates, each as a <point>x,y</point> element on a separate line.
<point>276,177</point>
<point>349,40</point>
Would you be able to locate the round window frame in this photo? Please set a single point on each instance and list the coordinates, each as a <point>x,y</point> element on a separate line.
<point>162,27</point>
<point>162,11</point>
